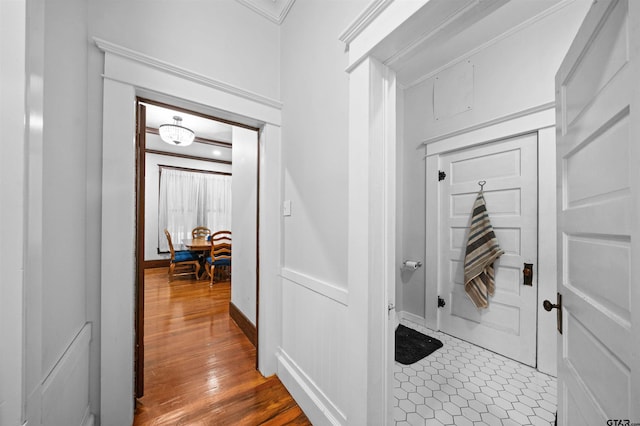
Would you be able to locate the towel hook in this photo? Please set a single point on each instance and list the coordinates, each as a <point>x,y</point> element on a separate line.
<point>482,184</point>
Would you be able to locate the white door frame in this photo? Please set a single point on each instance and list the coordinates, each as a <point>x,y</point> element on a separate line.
<point>541,122</point>
<point>128,74</point>
<point>371,238</point>
<point>372,38</point>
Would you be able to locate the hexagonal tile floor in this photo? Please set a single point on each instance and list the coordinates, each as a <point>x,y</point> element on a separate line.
<point>464,385</point>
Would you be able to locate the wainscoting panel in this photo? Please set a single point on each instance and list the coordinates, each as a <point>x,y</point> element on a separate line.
<point>326,289</point>
<point>65,392</point>
<point>315,404</point>
<point>312,362</point>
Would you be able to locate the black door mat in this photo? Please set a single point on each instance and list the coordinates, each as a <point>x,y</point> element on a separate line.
<point>412,346</point>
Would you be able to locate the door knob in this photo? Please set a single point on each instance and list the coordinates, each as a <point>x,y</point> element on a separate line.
<point>548,306</point>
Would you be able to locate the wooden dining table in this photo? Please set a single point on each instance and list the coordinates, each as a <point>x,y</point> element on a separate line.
<point>197,244</point>
<point>201,245</point>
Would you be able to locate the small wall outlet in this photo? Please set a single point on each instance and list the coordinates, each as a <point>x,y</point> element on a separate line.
<point>286,208</point>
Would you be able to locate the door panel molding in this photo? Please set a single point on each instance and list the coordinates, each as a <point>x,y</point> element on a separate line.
<point>508,325</point>
<point>598,199</point>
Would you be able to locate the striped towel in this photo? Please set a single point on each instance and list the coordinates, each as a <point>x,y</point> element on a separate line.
<point>482,250</point>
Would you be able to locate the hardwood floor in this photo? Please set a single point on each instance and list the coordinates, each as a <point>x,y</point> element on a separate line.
<point>199,367</point>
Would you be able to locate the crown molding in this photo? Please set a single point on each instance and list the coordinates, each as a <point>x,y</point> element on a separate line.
<point>273,10</point>
<point>371,12</point>
<point>167,67</point>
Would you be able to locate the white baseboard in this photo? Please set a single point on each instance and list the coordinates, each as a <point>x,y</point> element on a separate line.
<point>416,319</point>
<point>315,404</point>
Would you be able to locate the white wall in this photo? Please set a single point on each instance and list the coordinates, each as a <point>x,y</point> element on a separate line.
<point>65,117</point>
<point>152,186</point>
<point>315,131</point>
<point>412,213</point>
<point>12,186</point>
<point>220,40</point>
<point>57,333</point>
<point>513,75</point>
<point>244,190</point>
<point>315,145</point>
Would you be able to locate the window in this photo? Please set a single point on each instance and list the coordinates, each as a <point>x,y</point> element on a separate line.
<point>189,199</point>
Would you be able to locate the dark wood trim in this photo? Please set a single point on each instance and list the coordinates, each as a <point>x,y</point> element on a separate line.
<point>198,139</point>
<point>191,157</point>
<point>187,169</point>
<point>244,324</point>
<point>140,202</point>
<point>199,114</point>
<point>157,263</point>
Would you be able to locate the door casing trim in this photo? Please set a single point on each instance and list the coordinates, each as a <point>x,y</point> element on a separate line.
<point>542,122</point>
<point>125,77</point>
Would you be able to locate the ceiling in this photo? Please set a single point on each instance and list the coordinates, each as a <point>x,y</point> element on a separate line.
<point>445,31</point>
<point>207,132</point>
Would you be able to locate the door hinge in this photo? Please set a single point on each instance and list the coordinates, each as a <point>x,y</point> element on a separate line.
<point>441,302</point>
<point>441,175</point>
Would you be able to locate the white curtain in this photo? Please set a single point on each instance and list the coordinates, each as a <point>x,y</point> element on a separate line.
<point>190,199</point>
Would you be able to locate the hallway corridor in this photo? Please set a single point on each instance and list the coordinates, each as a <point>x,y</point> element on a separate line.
<point>199,367</point>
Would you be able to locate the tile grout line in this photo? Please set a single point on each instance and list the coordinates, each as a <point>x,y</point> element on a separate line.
<point>462,384</point>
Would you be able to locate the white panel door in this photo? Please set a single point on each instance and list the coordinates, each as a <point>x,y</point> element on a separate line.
<point>598,155</point>
<point>509,167</point>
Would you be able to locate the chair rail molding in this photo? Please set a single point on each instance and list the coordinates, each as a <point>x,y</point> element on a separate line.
<point>332,291</point>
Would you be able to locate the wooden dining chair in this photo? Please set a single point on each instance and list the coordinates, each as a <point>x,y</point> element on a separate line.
<point>220,256</point>
<point>200,232</point>
<point>183,262</point>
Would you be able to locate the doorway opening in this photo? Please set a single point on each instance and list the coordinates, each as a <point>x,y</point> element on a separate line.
<point>126,76</point>
<point>508,167</point>
<point>206,168</point>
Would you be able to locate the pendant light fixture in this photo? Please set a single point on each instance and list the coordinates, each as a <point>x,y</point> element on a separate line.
<point>176,134</point>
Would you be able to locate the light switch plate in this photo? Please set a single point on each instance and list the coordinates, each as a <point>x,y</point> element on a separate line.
<point>286,208</point>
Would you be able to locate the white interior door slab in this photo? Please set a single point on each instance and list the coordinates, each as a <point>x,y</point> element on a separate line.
<point>598,162</point>
<point>509,167</point>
